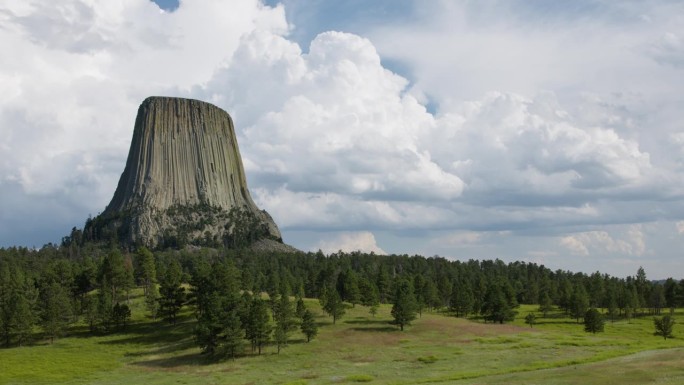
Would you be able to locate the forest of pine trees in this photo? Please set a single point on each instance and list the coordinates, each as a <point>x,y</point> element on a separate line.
<point>240,297</point>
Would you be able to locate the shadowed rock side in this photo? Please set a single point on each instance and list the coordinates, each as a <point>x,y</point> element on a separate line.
<point>183,183</point>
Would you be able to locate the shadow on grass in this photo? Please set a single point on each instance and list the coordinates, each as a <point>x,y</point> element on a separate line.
<point>190,359</point>
<point>566,322</point>
<point>151,334</point>
<point>376,329</point>
<point>367,322</point>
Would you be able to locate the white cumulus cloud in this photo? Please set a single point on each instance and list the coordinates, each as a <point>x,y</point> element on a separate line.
<point>350,241</point>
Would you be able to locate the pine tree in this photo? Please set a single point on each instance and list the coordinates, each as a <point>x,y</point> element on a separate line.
<point>121,315</point>
<point>233,334</point>
<point>284,321</point>
<point>218,308</point>
<point>333,304</point>
<point>91,312</point>
<point>545,305</point>
<point>671,294</point>
<point>172,294</point>
<point>18,297</point>
<point>369,295</point>
<point>497,305</point>
<point>258,329</point>
<point>431,295</point>
<point>309,327</point>
<point>664,326</point>
<point>299,312</point>
<point>462,298</point>
<point>579,302</point>
<point>56,310</point>
<point>24,315</point>
<point>404,308</point>
<point>104,308</point>
<point>593,321</point>
<point>612,308</point>
<point>152,301</point>
<point>148,274</point>
<point>531,319</point>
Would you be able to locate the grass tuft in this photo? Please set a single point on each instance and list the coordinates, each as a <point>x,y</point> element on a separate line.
<point>360,378</point>
<point>428,359</point>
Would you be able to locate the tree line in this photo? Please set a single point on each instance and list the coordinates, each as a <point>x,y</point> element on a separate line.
<point>239,296</point>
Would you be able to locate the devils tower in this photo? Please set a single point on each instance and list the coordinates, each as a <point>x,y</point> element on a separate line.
<point>183,182</point>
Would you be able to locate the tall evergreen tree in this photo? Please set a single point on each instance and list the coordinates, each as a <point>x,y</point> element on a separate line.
<point>333,304</point>
<point>545,304</point>
<point>18,298</point>
<point>210,324</point>
<point>369,295</point>
<point>309,327</point>
<point>105,307</point>
<point>258,329</point>
<point>301,307</point>
<point>462,298</point>
<point>579,302</point>
<point>172,294</point>
<point>148,269</point>
<point>671,294</point>
<point>56,312</point>
<point>284,320</point>
<point>218,308</point>
<point>404,308</point>
<point>497,306</point>
<point>233,334</point>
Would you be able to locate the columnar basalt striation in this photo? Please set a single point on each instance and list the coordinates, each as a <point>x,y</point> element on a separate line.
<point>183,182</point>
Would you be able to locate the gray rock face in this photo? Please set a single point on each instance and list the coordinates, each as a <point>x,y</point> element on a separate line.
<point>183,177</point>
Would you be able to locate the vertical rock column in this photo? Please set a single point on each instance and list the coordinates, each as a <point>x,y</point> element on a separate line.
<point>184,152</point>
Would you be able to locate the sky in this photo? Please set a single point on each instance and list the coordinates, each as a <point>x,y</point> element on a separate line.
<point>526,130</point>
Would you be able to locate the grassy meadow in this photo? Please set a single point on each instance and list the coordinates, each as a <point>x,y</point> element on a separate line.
<point>361,348</point>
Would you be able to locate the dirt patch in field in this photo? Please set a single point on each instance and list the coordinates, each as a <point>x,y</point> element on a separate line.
<point>384,336</point>
<point>463,329</point>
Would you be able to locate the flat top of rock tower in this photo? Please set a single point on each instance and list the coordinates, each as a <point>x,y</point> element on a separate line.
<point>152,99</point>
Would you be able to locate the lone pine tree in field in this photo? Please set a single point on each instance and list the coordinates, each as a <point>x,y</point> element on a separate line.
<point>531,319</point>
<point>405,306</point>
<point>593,321</point>
<point>309,327</point>
<point>332,303</point>
<point>664,326</point>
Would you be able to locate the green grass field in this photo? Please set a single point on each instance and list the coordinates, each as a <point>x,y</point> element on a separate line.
<point>364,349</point>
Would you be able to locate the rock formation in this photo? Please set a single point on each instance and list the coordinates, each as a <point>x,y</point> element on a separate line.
<point>183,182</point>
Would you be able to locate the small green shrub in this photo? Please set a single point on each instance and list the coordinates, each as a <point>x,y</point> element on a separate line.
<point>428,359</point>
<point>360,378</point>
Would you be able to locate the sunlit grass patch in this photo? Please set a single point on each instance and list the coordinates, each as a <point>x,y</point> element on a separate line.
<point>360,378</point>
